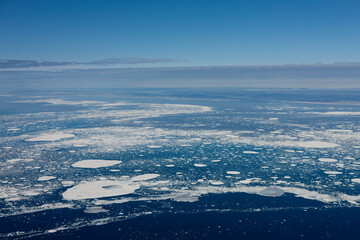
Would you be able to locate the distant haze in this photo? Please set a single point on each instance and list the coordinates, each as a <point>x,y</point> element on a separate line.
<point>338,75</point>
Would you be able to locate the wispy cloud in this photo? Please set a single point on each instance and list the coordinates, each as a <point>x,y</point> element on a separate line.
<point>130,61</point>
<point>31,63</point>
<point>10,64</point>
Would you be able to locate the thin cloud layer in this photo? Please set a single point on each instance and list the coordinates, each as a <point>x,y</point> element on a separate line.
<point>10,64</point>
<point>337,75</point>
<point>130,61</point>
<point>31,63</point>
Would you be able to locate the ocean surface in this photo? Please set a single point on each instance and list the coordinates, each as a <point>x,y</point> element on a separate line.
<point>180,164</point>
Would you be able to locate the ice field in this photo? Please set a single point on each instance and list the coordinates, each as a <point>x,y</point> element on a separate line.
<point>111,156</point>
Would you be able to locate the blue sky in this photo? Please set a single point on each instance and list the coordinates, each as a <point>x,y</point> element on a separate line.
<point>86,34</point>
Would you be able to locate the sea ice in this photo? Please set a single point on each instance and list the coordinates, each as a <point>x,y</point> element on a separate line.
<point>13,129</point>
<point>216,183</point>
<point>100,189</point>
<point>19,160</point>
<point>200,165</point>
<point>271,192</point>
<point>246,181</point>
<point>145,177</point>
<point>95,210</point>
<point>332,172</point>
<point>50,137</point>
<point>327,160</point>
<point>186,198</point>
<point>62,102</point>
<point>313,144</point>
<point>67,183</point>
<point>46,178</point>
<point>216,160</point>
<point>95,163</point>
<point>355,180</point>
<point>339,113</point>
<point>250,152</point>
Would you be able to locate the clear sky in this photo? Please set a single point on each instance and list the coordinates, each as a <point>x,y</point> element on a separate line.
<point>178,33</point>
<point>202,32</point>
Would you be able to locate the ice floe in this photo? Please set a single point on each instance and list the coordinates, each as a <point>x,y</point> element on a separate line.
<point>272,192</point>
<point>15,160</point>
<point>216,183</point>
<point>100,189</point>
<point>200,165</point>
<point>355,180</point>
<point>67,183</point>
<point>332,172</point>
<point>246,181</point>
<point>186,198</point>
<point>329,160</point>
<point>46,178</point>
<point>145,177</point>
<point>95,163</point>
<point>250,152</point>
